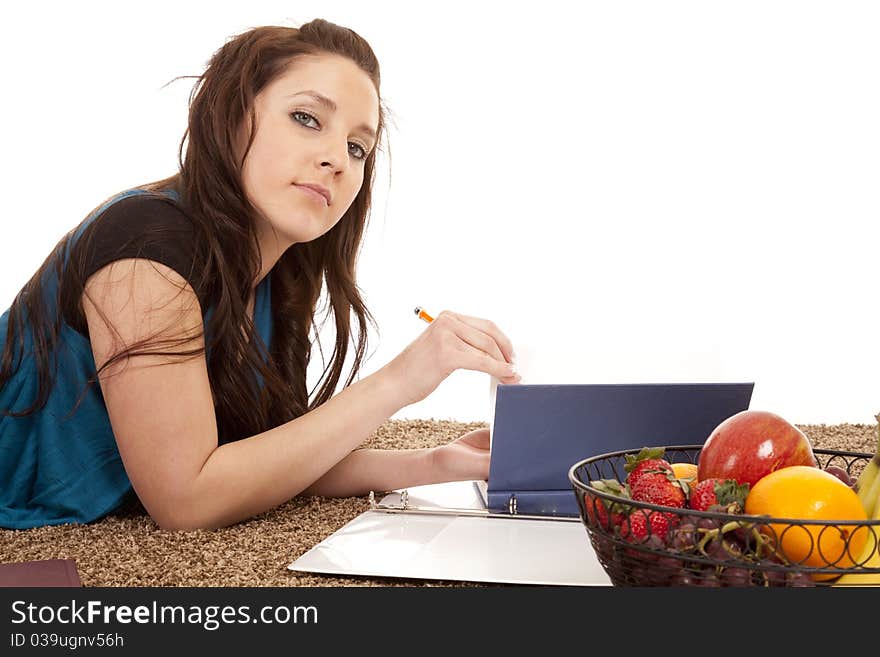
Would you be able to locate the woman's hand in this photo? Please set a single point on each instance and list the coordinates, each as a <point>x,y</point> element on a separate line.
<point>451,342</point>
<point>466,458</point>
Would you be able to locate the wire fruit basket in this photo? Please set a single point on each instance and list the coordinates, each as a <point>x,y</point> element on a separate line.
<point>715,548</point>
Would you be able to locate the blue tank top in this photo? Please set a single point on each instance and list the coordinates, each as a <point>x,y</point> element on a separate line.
<point>59,467</point>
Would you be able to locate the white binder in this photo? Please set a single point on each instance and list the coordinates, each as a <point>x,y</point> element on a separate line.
<point>444,532</point>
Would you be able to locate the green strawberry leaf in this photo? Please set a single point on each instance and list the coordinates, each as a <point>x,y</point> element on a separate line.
<point>685,487</point>
<point>730,491</point>
<point>613,487</point>
<point>632,460</point>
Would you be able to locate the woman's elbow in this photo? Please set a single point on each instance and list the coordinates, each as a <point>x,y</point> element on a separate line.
<point>172,522</point>
<point>181,517</point>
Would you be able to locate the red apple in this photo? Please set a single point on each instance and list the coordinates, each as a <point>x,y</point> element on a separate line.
<point>751,444</point>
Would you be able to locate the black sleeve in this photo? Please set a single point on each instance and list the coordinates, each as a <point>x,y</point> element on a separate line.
<point>143,226</point>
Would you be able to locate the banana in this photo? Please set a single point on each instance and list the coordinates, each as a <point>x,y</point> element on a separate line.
<point>871,503</point>
<point>865,486</point>
<point>868,489</point>
<point>868,484</point>
<point>869,558</point>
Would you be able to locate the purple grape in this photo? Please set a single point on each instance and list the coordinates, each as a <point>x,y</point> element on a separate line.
<point>684,538</point>
<point>660,573</point>
<point>840,473</point>
<point>723,550</point>
<point>744,537</point>
<point>799,579</point>
<point>709,579</point>
<point>734,576</point>
<point>655,577</point>
<point>653,542</point>
<point>772,577</point>
<point>683,578</point>
<point>707,523</point>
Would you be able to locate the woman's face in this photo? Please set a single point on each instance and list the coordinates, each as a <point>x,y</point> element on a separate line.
<point>315,126</point>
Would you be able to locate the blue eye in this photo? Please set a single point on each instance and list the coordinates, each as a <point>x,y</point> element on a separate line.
<point>308,121</point>
<point>361,152</point>
<point>304,118</point>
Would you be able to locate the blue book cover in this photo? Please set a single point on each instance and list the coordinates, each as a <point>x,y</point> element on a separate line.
<point>540,431</point>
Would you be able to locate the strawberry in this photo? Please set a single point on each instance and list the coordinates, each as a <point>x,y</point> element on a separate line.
<point>728,493</point>
<point>648,459</point>
<point>659,487</point>
<point>597,507</point>
<point>643,523</point>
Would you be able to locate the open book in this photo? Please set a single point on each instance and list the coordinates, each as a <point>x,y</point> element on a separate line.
<point>540,431</point>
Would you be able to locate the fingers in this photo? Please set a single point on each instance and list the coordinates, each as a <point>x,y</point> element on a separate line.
<point>472,343</point>
<point>478,438</point>
<point>479,361</point>
<point>482,334</point>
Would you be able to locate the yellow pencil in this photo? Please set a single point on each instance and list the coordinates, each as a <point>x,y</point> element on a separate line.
<point>421,314</point>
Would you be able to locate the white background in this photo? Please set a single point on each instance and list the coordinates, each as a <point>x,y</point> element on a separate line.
<point>633,191</point>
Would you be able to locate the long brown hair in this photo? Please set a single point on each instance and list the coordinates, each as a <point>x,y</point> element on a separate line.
<point>210,190</point>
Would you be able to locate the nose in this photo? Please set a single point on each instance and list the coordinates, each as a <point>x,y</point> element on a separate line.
<point>334,156</point>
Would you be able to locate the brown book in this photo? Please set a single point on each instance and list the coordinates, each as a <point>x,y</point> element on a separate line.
<point>45,572</point>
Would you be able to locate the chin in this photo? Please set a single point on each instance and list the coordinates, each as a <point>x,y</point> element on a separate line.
<point>302,235</point>
<point>298,228</point>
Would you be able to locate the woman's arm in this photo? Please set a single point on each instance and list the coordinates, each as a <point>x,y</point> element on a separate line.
<point>378,470</point>
<point>365,470</point>
<point>249,476</point>
<point>162,413</point>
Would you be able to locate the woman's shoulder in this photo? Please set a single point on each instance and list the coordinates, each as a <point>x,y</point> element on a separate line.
<point>138,212</point>
<point>137,223</point>
<point>141,224</point>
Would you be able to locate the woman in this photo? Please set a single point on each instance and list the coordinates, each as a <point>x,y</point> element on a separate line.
<point>161,350</point>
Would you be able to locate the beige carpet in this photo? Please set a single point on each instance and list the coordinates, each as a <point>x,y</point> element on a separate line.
<point>128,549</point>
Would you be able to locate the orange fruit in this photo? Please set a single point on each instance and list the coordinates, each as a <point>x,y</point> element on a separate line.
<point>686,471</point>
<point>801,492</point>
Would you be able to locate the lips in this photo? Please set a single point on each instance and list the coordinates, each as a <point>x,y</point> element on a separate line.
<point>323,192</point>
